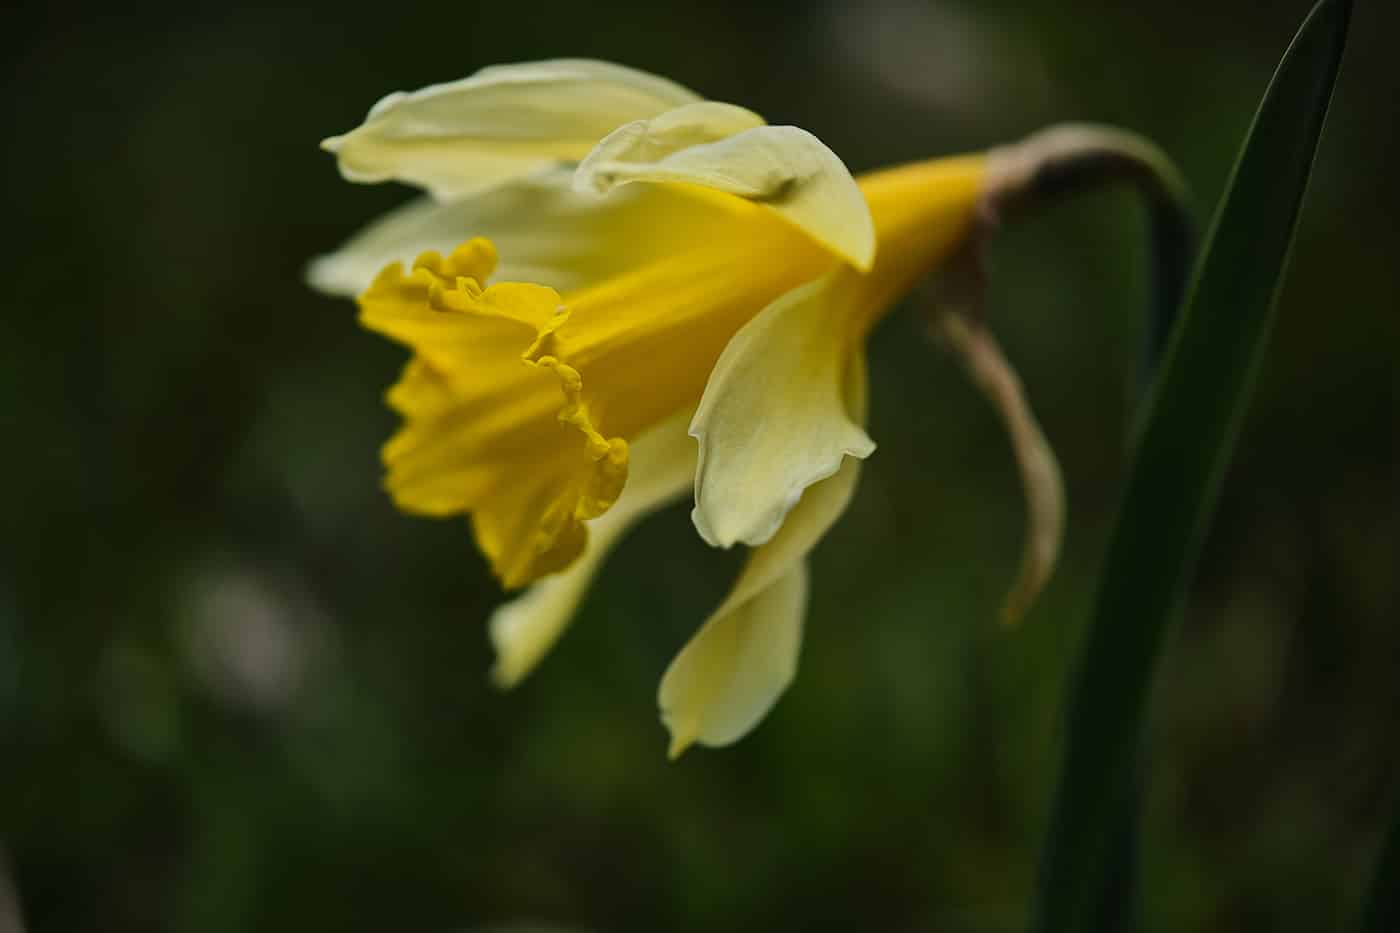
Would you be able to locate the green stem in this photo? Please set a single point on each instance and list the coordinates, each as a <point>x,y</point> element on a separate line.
<point>1071,158</point>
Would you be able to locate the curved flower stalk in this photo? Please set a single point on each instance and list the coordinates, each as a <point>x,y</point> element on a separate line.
<point>623,293</point>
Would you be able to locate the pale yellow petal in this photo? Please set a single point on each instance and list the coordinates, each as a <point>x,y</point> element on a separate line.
<point>502,122</point>
<point>729,675</point>
<point>734,670</point>
<point>524,629</point>
<point>646,141</point>
<point>545,232</point>
<point>783,167</point>
<point>774,418</point>
<point>417,227</point>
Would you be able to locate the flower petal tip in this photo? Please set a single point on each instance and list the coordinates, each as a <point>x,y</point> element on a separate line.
<point>320,275</point>
<point>862,254</point>
<point>681,740</point>
<point>706,530</point>
<point>500,678</point>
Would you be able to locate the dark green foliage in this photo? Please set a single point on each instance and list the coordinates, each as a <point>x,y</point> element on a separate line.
<point>1187,438</point>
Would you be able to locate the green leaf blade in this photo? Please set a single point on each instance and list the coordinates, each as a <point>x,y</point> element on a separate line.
<point>1193,417</point>
<point>1381,911</point>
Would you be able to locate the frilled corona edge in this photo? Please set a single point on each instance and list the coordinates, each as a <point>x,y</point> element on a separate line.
<point>441,309</point>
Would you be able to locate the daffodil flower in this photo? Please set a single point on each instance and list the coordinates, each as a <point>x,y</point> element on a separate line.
<point>622,293</point>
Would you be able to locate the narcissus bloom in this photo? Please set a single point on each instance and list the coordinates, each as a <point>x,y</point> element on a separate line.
<point>623,293</point>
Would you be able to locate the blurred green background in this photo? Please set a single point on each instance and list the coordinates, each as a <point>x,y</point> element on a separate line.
<point>239,691</point>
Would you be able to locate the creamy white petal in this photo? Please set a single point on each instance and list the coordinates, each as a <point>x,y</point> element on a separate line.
<point>774,418</point>
<point>502,122</point>
<point>783,167</point>
<point>398,236</point>
<point>735,669</point>
<point>736,666</point>
<point>523,630</point>
<point>544,232</point>
<point>646,141</point>
<point>729,675</point>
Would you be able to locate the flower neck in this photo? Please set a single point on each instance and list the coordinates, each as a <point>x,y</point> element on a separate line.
<point>923,212</point>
